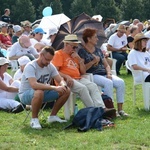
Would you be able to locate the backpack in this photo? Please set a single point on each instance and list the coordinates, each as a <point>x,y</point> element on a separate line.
<point>88,118</point>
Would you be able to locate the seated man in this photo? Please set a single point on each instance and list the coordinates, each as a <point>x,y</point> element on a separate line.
<point>22,63</point>
<point>71,67</point>
<point>35,87</point>
<point>21,48</point>
<point>117,43</point>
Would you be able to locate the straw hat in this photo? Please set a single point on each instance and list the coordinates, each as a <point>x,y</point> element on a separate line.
<point>71,38</point>
<point>139,36</point>
<point>122,28</point>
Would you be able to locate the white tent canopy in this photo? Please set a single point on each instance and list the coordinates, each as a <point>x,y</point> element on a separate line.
<point>54,21</point>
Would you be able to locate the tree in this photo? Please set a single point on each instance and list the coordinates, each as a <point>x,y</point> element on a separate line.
<point>108,9</point>
<point>146,11</point>
<point>66,5</point>
<point>79,6</point>
<point>133,9</point>
<point>55,5</point>
<point>23,10</point>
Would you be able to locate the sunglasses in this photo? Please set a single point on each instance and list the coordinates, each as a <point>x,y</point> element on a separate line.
<point>73,47</point>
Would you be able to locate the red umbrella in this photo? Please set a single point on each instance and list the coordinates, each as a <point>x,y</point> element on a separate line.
<point>76,26</point>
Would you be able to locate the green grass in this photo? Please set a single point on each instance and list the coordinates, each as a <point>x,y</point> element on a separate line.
<point>129,134</point>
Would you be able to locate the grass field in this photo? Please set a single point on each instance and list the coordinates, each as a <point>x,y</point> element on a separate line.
<point>129,133</point>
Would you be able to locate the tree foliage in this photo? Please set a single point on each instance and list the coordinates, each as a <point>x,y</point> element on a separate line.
<point>79,6</point>
<point>117,9</point>
<point>22,10</point>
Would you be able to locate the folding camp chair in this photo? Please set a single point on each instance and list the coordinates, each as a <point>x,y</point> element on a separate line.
<point>29,111</point>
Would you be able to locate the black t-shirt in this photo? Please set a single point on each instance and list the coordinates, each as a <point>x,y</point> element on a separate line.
<point>6,19</point>
<point>129,39</point>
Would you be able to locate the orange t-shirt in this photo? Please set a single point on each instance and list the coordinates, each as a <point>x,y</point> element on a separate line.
<point>66,64</point>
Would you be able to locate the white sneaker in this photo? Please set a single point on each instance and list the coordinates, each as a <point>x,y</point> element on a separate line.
<point>55,119</point>
<point>35,123</point>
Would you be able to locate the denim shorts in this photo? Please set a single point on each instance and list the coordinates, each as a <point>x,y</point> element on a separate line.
<point>49,96</point>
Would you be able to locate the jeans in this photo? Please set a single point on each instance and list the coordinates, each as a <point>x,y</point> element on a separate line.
<point>120,57</point>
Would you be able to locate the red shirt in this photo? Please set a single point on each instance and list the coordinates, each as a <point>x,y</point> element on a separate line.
<point>5,39</point>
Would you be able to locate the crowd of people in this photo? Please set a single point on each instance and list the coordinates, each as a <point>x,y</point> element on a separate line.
<point>40,64</point>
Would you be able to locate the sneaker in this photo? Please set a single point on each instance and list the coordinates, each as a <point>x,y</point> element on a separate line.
<point>35,123</point>
<point>118,115</point>
<point>123,114</point>
<point>55,119</point>
<point>17,109</point>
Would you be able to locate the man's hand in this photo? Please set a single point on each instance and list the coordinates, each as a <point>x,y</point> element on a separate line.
<point>69,81</point>
<point>61,89</point>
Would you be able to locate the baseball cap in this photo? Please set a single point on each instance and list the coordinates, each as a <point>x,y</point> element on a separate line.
<point>39,30</point>
<point>3,61</point>
<point>17,28</point>
<point>23,60</point>
<point>53,31</point>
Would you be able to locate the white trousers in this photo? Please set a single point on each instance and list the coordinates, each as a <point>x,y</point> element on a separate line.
<point>7,101</point>
<point>88,92</point>
<point>108,86</point>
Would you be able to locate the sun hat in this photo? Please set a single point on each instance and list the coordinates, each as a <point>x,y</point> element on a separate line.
<point>23,60</point>
<point>25,23</point>
<point>4,25</point>
<point>24,39</point>
<point>3,61</point>
<point>122,28</point>
<point>16,28</point>
<point>39,30</point>
<point>139,36</point>
<point>71,38</point>
<point>53,31</point>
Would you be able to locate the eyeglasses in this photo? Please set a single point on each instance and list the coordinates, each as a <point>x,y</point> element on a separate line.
<point>74,47</point>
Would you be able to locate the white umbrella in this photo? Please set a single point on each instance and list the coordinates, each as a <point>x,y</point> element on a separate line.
<point>54,21</point>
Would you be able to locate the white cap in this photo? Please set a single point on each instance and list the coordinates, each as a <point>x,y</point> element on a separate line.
<point>23,60</point>
<point>16,28</point>
<point>3,61</point>
<point>53,31</point>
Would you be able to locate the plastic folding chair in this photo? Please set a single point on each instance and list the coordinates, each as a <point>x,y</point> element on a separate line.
<point>145,86</point>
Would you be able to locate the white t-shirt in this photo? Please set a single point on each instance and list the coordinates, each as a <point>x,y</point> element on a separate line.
<point>147,34</point>
<point>18,74</point>
<point>117,42</point>
<point>141,59</point>
<point>7,78</point>
<point>17,50</point>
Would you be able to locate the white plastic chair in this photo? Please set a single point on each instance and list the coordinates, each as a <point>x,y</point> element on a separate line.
<point>14,66</point>
<point>145,86</point>
<point>13,63</point>
<point>70,103</point>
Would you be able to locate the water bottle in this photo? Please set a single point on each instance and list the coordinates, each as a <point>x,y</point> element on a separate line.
<point>75,109</point>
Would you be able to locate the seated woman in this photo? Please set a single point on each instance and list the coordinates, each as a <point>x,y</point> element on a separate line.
<point>8,89</point>
<point>139,58</point>
<point>97,65</point>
